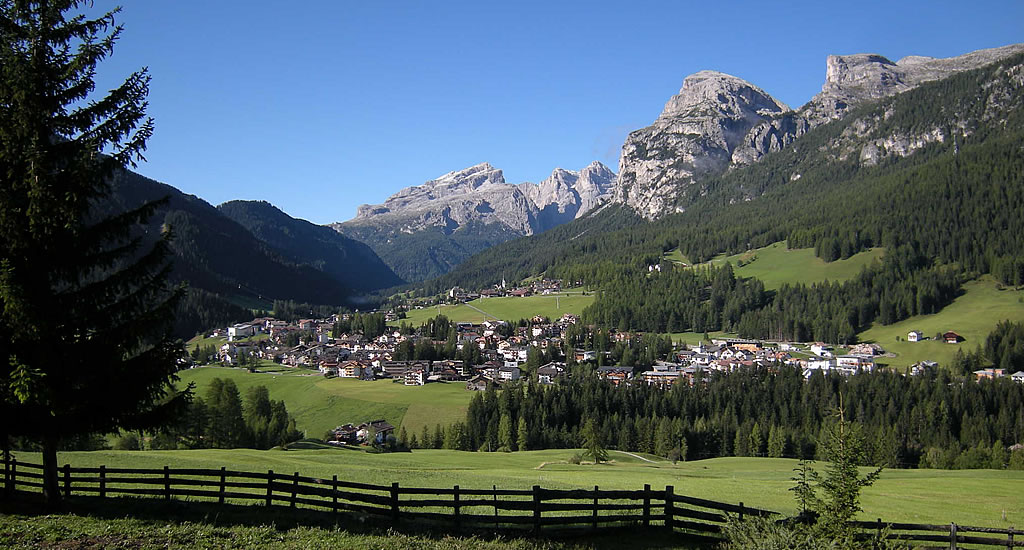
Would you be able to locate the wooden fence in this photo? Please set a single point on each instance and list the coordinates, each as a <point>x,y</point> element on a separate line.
<point>950,535</point>
<point>537,510</point>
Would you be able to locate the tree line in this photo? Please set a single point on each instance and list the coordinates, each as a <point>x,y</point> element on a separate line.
<point>931,420</point>
<point>222,419</point>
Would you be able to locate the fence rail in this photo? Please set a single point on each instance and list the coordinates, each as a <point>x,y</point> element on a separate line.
<point>514,509</point>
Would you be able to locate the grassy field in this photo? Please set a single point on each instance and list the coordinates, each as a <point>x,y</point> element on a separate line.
<point>969,497</point>
<point>319,404</point>
<point>508,308</point>
<point>775,265</point>
<point>972,315</point>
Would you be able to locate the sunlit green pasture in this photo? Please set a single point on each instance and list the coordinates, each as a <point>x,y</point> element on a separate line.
<point>775,265</point>
<point>968,497</point>
<point>972,315</point>
<point>319,404</point>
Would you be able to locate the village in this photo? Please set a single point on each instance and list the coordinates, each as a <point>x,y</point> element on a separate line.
<point>504,351</point>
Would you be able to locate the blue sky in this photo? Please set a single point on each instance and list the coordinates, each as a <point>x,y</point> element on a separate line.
<point>323,105</point>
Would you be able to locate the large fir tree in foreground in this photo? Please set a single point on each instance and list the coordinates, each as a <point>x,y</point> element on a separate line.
<point>85,307</point>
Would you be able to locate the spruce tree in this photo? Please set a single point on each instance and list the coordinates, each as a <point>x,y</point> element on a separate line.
<point>85,307</point>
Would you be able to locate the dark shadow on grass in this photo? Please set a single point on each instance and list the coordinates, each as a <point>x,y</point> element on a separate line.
<point>284,518</point>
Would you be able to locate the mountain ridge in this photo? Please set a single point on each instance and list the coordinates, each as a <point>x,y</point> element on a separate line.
<point>664,162</point>
<point>449,218</point>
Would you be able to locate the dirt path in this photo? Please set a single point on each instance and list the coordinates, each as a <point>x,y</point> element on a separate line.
<point>637,456</point>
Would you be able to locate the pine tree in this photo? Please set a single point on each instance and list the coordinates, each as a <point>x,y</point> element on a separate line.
<point>841,484</point>
<point>505,433</point>
<point>593,442</point>
<point>85,308</point>
<point>522,435</point>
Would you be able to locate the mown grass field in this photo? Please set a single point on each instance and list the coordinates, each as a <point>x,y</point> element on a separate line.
<point>972,315</point>
<point>319,404</point>
<point>968,497</point>
<point>507,308</point>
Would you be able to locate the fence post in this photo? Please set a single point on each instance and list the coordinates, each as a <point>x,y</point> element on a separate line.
<point>1009,539</point>
<point>223,484</point>
<point>103,481</point>
<point>270,488</point>
<point>741,511</point>
<point>67,480</point>
<point>536,508</point>
<point>8,477</point>
<point>879,529</point>
<point>295,488</point>
<point>593,522</point>
<point>647,505</point>
<point>455,507</point>
<point>670,507</point>
<point>394,502</point>
<point>495,489</point>
<point>952,536</point>
<point>167,482</point>
<point>334,493</point>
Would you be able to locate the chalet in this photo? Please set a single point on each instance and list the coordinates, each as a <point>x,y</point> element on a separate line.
<point>821,350</point>
<point>663,375</point>
<point>747,345</point>
<point>415,377</point>
<point>521,292</point>
<point>329,368</point>
<point>345,434</point>
<point>508,374</point>
<point>617,375</point>
<point>1018,377</point>
<point>915,336</point>
<point>585,355</point>
<point>378,427</point>
<point>990,374</point>
<point>547,374</point>
<point>478,383</point>
<point>237,332</point>
<point>917,369</point>
<point>854,362</point>
<point>353,369</point>
<point>952,338</point>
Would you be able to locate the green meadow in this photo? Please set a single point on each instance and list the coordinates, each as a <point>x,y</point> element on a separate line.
<point>506,308</point>
<point>972,315</point>
<point>319,404</point>
<point>775,265</point>
<point>968,497</point>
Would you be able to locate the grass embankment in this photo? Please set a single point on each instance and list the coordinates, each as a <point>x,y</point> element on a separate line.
<point>319,404</point>
<point>506,308</point>
<point>775,265</point>
<point>972,315</point>
<point>968,497</point>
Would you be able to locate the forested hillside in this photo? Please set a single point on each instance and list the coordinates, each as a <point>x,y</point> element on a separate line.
<point>224,264</point>
<point>351,263</point>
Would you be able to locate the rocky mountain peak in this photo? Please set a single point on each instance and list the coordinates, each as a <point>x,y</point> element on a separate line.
<point>719,92</point>
<point>718,121</point>
<point>695,135</point>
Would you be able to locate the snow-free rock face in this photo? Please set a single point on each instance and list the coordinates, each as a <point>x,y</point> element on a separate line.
<point>480,194</point>
<point>447,219</point>
<point>477,193</point>
<point>567,195</point>
<point>696,134</point>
